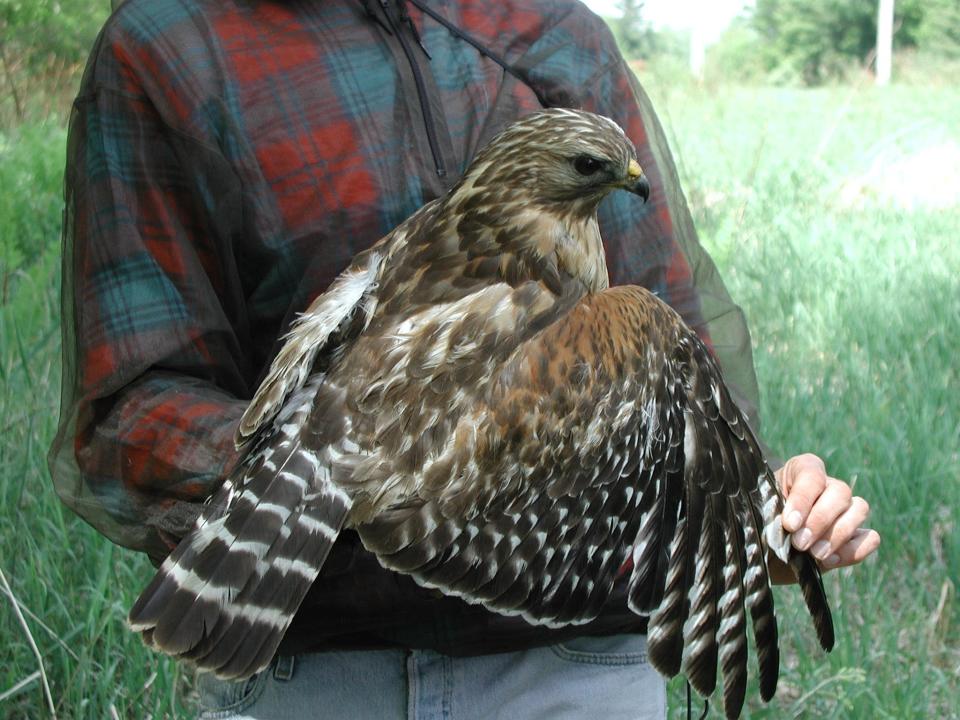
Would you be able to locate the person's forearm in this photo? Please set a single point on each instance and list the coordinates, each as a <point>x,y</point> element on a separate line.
<point>139,465</point>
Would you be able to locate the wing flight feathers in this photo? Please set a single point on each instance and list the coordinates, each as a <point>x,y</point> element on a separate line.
<point>229,590</point>
<point>307,338</point>
<point>681,474</point>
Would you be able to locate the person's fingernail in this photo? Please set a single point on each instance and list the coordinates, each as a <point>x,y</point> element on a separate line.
<point>802,539</point>
<point>820,550</point>
<point>832,560</point>
<point>794,520</point>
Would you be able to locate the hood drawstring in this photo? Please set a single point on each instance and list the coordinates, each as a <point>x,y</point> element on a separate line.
<point>706,705</point>
<point>402,16</point>
<point>372,15</point>
<point>394,16</point>
<point>460,34</point>
<point>405,18</point>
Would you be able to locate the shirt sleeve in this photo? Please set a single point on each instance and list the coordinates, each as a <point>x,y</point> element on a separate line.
<point>656,245</point>
<point>154,367</point>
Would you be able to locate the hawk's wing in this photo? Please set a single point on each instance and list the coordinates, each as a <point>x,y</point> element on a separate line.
<point>323,324</point>
<point>226,594</point>
<point>610,430</point>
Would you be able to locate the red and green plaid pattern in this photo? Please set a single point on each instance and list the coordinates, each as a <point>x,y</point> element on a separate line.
<point>226,160</point>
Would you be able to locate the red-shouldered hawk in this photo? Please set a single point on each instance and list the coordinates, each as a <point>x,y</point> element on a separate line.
<point>474,400</point>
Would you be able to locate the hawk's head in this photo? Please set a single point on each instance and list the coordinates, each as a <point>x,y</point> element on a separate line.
<point>560,158</point>
<point>531,196</point>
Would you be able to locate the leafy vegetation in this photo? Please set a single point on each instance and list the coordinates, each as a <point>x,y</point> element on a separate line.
<point>72,585</point>
<point>43,44</point>
<point>638,39</point>
<point>816,41</point>
<point>43,29</point>
<point>31,169</point>
<point>797,42</point>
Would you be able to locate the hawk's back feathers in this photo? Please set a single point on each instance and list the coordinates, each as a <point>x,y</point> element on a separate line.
<point>496,422</point>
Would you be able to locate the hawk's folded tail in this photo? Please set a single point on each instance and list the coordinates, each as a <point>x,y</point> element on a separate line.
<point>225,596</point>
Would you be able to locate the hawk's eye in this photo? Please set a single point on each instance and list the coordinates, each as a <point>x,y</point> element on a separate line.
<point>586,165</point>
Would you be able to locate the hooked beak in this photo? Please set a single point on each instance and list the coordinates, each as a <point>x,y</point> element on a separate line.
<point>636,181</point>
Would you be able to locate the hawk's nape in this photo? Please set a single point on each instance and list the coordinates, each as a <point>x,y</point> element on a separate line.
<point>495,421</point>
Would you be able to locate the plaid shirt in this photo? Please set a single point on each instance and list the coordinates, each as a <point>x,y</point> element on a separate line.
<point>226,160</point>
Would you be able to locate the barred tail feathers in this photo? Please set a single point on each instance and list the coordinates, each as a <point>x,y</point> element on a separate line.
<point>250,640</point>
<point>224,598</point>
<point>732,634</point>
<point>758,597</point>
<point>700,649</point>
<point>814,595</point>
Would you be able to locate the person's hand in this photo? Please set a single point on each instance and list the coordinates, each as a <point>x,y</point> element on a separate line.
<point>824,517</point>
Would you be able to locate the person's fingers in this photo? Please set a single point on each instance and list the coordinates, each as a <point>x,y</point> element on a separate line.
<point>823,516</point>
<point>858,548</point>
<point>833,502</point>
<point>803,479</point>
<point>843,529</point>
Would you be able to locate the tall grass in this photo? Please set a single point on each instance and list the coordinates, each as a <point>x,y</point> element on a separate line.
<point>839,247</point>
<point>72,585</point>
<point>855,311</point>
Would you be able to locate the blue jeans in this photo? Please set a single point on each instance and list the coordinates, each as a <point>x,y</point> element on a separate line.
<point>589,677</point>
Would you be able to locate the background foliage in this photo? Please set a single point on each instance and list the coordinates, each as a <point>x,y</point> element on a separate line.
<point>801,42</point>
<point>43,44</point>
<point>832,213</point>
<point>41,30</point>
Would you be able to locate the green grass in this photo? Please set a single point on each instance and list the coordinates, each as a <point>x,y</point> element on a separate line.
<point>854,305</point>
<point>855,311</point>
<point>63,573</point>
